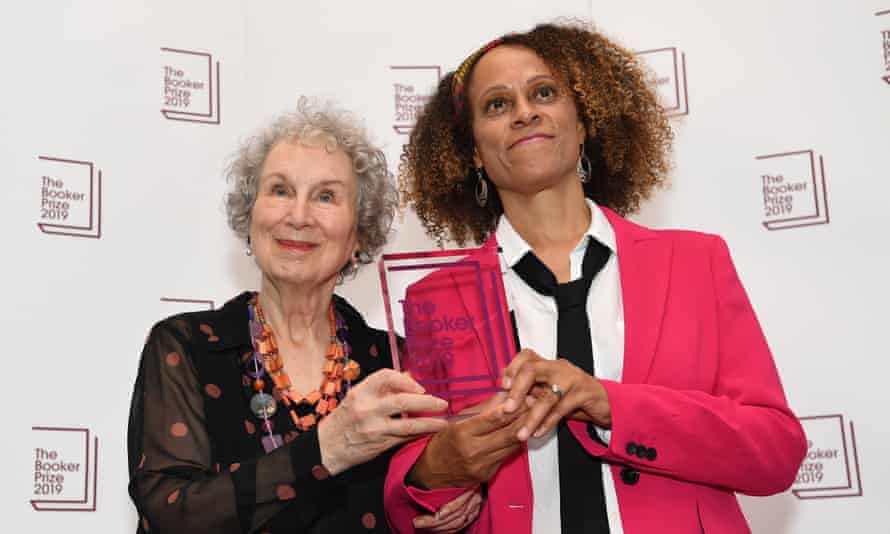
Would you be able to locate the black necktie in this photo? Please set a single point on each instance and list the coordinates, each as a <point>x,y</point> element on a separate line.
<point>582,501</point>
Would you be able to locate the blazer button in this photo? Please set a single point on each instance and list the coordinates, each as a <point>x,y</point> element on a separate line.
<point>651,454</point>
<point>631,448</point>
<point>630,476</point>
<point>642,451</point>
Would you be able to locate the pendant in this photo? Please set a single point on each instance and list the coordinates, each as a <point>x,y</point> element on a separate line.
<point>263,405</point>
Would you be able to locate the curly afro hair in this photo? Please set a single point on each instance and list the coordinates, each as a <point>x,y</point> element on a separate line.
<point>628,137</point>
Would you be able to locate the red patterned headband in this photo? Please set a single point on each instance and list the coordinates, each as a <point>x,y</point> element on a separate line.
<point>459,78</point>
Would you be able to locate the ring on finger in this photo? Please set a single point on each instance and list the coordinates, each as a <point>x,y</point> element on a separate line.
<point>556,390</point>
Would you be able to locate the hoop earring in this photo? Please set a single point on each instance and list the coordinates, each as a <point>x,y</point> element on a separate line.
<point>584,166</point>
<point>481,188</point>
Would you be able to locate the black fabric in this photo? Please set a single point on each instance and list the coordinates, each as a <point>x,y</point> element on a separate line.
<point>213,475</point>
<point>581,496</point>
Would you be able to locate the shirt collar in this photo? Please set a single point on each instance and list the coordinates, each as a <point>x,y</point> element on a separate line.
<point>514,247</point>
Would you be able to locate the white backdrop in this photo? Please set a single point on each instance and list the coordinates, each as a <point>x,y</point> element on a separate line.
<point>85,82</point>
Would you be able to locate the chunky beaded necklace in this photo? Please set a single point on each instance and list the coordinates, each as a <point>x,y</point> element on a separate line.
<point>267,361</point>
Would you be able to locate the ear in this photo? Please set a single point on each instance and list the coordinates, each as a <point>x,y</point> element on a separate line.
<point>477,161</point>
<point>582,132</point>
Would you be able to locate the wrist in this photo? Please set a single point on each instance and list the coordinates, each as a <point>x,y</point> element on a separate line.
<point>332,457</point>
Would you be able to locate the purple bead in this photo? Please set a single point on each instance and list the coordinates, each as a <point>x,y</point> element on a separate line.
<point>272,442</point>
<point>268,426</point>
<point>255,366</point>
<point>341,333</point>
<point>256,329</point>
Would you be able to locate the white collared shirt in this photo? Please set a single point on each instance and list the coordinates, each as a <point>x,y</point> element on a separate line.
<point>536,317</point>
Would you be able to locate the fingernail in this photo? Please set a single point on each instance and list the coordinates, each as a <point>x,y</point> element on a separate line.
<point>506,382</point>
<point>539,432</point>
<point>522,435</point>
<point>509,406</point>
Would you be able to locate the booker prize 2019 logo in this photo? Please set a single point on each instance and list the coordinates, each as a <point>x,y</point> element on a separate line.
<point>412,86</point>
<point>793,189</point>
<point>190,90</point>
<point>831,467</point>
<point>65,469</point>
<point>175,305</point>
<point>70,198</point>
<point>668,71</point>
<point>885,44</point>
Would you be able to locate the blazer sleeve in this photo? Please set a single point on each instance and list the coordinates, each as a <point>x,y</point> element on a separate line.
<point>741,435</point>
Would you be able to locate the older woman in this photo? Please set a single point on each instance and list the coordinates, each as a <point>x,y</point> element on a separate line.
<point>275,413</point>
<point>645,395</point>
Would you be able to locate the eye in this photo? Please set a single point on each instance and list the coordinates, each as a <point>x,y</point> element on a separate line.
<point>496,105</point>
<point>278,190</point>
<point>545,93</point>
<point>326,196</point>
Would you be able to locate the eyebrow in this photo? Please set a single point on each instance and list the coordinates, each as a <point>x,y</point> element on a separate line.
<point>527,82</point>
<point>323,182</point>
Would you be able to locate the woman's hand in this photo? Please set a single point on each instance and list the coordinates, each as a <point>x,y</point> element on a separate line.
<point>468,452</point>
<point>454,516</point>
<point>363,426</point>
<point>529,378</point>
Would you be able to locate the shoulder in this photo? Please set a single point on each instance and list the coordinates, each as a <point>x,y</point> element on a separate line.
<point>208,330</point>
<point>682,241</point>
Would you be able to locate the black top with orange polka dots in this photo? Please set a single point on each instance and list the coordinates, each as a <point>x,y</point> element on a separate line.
<point>195,456</point>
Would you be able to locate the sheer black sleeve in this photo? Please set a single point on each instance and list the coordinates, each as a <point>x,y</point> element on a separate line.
<point>174,480</point>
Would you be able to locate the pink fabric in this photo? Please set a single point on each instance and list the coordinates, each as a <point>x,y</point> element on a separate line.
<point>699,386</point>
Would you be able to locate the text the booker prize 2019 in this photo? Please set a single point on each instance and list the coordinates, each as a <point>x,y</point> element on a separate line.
<point>430,336</point>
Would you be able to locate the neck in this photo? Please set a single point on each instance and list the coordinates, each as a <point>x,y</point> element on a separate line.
<point>296,313</point>
<point>549,220</point>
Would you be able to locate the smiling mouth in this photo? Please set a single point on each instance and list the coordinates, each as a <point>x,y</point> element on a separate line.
<point>531,139</point>
<point>302,246</point>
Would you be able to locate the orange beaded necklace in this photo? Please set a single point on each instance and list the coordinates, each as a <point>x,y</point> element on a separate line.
<point>337,368</point>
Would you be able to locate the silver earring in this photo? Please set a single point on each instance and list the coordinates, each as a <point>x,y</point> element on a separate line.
<point>247,249</point>
<point>583,168</point>
<point>481,188</point>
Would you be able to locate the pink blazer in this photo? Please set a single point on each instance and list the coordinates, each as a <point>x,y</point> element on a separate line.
<point>699,388</point>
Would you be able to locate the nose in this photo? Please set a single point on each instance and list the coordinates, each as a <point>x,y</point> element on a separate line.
<point>524,112</point>
<point>300,214</point>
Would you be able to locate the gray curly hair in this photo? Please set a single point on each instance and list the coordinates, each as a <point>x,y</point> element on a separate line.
<point>334,128</point>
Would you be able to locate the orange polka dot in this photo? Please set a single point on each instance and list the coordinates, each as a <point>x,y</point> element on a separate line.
<point>246,356</point>
<point>141,462</point>
<point>172,497</point>
<point>178,430</point>
<point>234,467</point>
<point>245,381</point>
<point>250,427</point>
<point>369,520</point>
<point>212,339</point>
<point>285,492</point>
<point>319,472</point>
<point>373,351</point>
<point>206,329</point>
<point>145,526</point>
<point>173,359</point>
<point>212,391</point>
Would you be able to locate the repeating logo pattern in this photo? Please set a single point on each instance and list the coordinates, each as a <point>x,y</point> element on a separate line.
<point>413,86</point>
<point>668,70</point>
<point>70,198</point>
<point>66,469</point>
<point>794,189</point>
<point>191,91</point>
<point>831,467</point>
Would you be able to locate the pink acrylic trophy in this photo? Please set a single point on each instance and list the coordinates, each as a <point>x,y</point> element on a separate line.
<point>448,320</point>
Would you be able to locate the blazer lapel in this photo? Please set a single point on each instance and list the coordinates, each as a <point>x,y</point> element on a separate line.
<point>644,260</point>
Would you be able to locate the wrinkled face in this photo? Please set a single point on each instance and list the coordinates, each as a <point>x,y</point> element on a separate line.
<point>303,223</point>
<point>524,121</point>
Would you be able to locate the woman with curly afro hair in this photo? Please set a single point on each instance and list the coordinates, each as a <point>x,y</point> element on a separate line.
<point>645,395</point>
